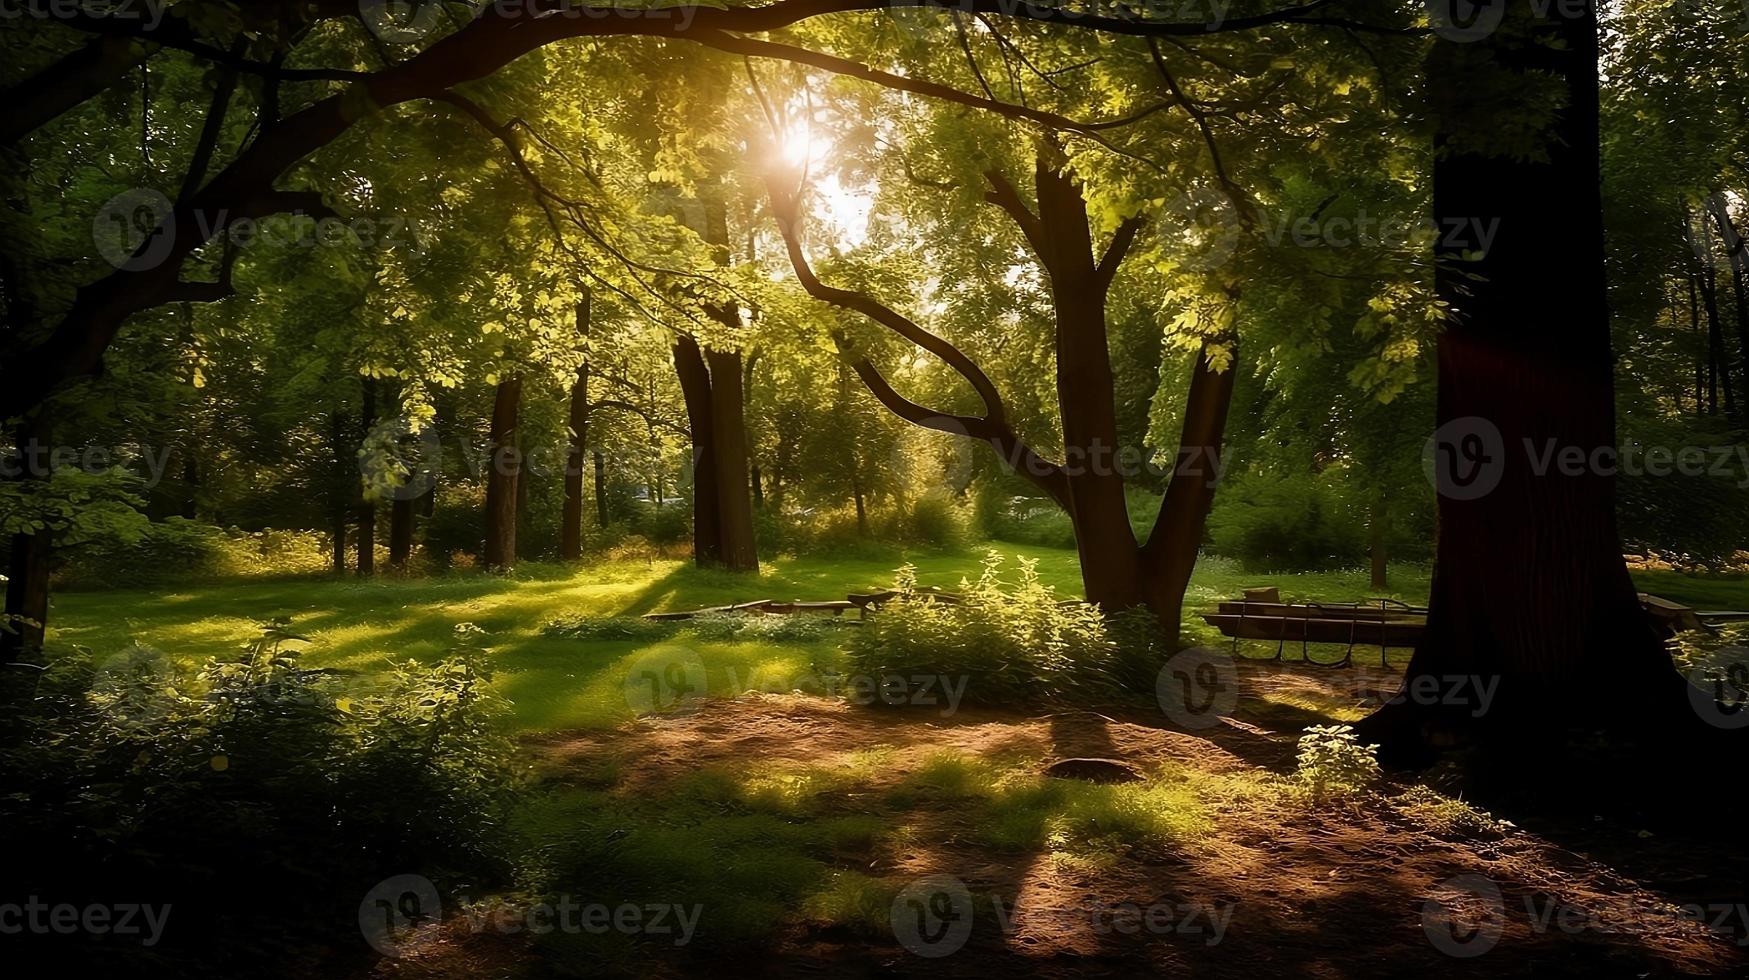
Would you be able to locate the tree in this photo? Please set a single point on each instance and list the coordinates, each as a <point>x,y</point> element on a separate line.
<point>1529,584</point>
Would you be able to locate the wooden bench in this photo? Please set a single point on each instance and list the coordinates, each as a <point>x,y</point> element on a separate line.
<point>1384,623</point>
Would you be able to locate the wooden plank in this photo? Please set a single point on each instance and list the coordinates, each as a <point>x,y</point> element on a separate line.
<point>1319,611</point>
<point>864,600</point>
<point>1390,633</point>
<point>1673,615</point>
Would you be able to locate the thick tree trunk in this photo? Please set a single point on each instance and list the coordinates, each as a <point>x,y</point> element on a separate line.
<point>695,390</point>
<point>367,505</point>
<point>27,588</point>
<point>1530,592</point>
<point>504,467</point>
<point>1169,557</point>
<point>571,519</point>
<point>1110,559</point>
<point>27,600</point>
<point>734,499</point>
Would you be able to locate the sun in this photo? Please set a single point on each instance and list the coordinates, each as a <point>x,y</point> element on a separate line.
<point>801,147</point>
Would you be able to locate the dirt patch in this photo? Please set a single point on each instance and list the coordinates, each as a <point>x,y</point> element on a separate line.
<point>1276,888</point>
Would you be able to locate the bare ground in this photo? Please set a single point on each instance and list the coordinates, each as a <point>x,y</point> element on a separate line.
<point>1325,893</point>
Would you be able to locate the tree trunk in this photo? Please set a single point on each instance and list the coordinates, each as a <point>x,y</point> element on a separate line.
<point>1734,251</point>
<point>400,533</point>
<point>1718,362</point>
<point>757,485</point>
<point>504,466</point>
<point>190,484</point>
<point>571,520</point>
<point>367,505</point>
<point>600,489</point>
<point>27,602</point>
<point>1693,278</point>
<point>1530,591</point>
<point>340,501</point>
<point>734,500</point>
<point>1376,525</point>
<point>27,586</point>
<point>695,390</point>
<point>1169,557</point>
<point>1111,570</point>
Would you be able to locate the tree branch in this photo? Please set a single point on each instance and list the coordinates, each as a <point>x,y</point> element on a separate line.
<point>992,427</point>
<point>1003,194</point>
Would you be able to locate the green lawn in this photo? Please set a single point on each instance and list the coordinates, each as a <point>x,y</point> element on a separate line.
<point>560,683</point>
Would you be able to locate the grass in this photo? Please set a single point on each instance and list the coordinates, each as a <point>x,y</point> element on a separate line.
<point>558,682</point>
<point>760,846</point>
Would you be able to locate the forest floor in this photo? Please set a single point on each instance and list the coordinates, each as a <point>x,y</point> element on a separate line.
<point>783,834</point>
<point>813,838</point>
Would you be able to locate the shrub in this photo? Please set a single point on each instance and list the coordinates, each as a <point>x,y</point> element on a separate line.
<point>1017,647</point>
<point>254,796</point>
<point>457,522</point>
<point>1284,523</point>
<point>180,550</point>
<point>1333,765</point>
<point>1446,817</point>
<point>1035,522</point>
<point>936,520</point>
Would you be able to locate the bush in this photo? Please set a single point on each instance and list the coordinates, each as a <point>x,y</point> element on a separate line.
<point>936,520</point>
<point>1446,817</point>
<point>457,522</point>
<point>259,799</point>
<point>670,523</point>
<point>1284,523</point>
<point>1333,764</point>
<point>1036,522</point>
<point>1015,648</point>
<point>180,550</point>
